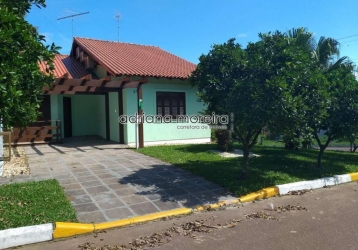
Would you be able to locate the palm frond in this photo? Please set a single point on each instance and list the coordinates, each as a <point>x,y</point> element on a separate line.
<point>326,48</point>
<point>341,62</point>
<point>301,37</point>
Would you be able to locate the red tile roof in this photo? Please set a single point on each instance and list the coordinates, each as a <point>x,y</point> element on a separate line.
<point>136,60</point>
<point>66,64</point>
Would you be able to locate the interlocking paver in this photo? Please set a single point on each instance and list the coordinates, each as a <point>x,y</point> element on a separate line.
<point>207,197</point>
<point>111,203</point>
<point>76,200</point>
<point>67,181</point>
<point>96,190</point>
<point>115,180</point>
<point>166,205</point>
<point>72,186</point>
<point>76,192</point>
<point>88,207</point>
<point>126,191</point>
<point>155,195</point>
<point>134,199</point>
<point>105,181</point>
<point>103,196</point>
<point>91,184</point>
<point>175,191</point>
<point>144,208</point>
<point>194,189</point>
<point>118,213</point>
<point>92,217</point>
<point>87,178</point>
<point>106,176</point>
<point>118,186</point>
<point>189,201</point>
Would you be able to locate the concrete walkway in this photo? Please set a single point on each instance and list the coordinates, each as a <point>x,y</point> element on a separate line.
<point>105,181</point>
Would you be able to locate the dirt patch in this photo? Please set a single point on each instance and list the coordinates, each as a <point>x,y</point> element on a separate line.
<point>18,165</point>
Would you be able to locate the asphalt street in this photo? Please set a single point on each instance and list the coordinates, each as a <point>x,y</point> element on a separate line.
<point>330,222</point>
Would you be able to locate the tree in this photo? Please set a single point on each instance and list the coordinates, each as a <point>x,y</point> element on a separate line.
<point>255,84</point>
<point>337,116</point>
<point>325,53</point>
<point>21,50</point>
<point>341,120</point>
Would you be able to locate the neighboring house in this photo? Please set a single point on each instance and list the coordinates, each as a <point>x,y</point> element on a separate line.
<point>101,80</point>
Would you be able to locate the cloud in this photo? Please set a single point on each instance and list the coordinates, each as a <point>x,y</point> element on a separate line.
<point>242,35</point>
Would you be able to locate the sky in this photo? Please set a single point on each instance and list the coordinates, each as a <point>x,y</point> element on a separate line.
<point>188,28</point>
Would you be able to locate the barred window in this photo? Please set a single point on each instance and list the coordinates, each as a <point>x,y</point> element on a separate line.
<point>171,103</point>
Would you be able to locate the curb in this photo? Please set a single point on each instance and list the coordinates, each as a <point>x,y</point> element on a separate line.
<point>46,232</point>
<point>25,235</point>
<point>63,229</point>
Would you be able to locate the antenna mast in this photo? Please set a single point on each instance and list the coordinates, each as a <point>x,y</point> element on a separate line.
<point>118,17</point>
<point>72,16</point>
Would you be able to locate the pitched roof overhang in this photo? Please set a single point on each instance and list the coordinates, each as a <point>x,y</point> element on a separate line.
<point>72,78</point>
<point>66,85</point>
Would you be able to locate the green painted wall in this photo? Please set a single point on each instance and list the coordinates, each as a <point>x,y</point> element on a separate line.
<point>113,116</point>
<point>129,108</point>
<point>161,131</point>
<point>88,114</point>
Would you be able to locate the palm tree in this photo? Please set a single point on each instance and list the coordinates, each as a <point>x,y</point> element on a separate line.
<point>324,52</point>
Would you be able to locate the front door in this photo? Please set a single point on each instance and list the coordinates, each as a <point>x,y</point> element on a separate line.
<point>67,116</point>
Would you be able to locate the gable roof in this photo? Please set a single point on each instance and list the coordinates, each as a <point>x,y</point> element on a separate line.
<point>135,60</point>
<point>65,64</point>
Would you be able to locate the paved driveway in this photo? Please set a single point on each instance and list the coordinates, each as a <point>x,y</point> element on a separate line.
<point>105,181</point>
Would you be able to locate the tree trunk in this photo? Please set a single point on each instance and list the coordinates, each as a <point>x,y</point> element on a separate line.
<point>319,162</point>
<point>245,163</point>
<point>355,147</point>
<point>322,147</point>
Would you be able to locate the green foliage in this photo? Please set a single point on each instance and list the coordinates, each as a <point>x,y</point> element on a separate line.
<point>224,140</point>
<point>21,50</point>
<point>257,84</point>
<point>327,100</point>
<point>286,82</point>
<point>341,120</point>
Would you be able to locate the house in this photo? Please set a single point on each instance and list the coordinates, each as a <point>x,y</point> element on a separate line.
<point>101,81</point>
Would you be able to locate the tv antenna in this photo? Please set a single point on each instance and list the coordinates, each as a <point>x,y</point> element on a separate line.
<point>118,16</point>
<point>72,16</point>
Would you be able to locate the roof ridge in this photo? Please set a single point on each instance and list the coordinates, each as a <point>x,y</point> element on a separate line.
<point>101,40</point>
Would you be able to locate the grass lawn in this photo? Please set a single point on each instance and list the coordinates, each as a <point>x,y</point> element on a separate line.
<point>33,203</point>
<point>274,166</point>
